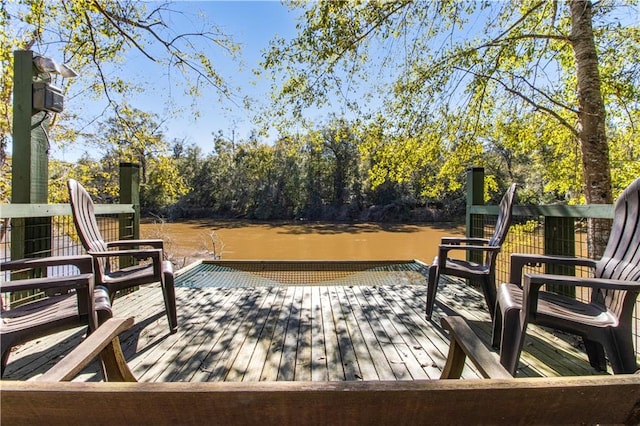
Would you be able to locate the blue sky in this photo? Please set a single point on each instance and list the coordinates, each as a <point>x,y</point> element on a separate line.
<point>252,24</point>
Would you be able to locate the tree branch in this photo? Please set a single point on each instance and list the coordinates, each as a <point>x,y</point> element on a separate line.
<point>122,32</point>
<point>527,99</point>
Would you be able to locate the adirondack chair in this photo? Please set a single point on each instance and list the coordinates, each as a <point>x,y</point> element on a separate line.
<point>483,273</point>
<point>158,270</point>
<point>72,301</point>
<point>605,322</point>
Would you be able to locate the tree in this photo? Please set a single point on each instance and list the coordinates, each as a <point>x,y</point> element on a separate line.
<point>532,58</point>
<point>132,136</point>
<point>93,36</point>
<point>339,142</point>
<point>137,137</point>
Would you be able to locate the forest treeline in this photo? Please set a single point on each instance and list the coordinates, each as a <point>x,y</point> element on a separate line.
<point>335,173</point>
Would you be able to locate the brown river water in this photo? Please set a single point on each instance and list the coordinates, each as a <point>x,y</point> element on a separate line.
<point>188,241</point>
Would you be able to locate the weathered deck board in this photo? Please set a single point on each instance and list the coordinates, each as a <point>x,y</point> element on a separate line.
<point>319,369</point>
<point>371,329</point>
<point>321,333</point>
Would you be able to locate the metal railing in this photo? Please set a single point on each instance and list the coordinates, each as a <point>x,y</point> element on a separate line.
<point>41,230</point>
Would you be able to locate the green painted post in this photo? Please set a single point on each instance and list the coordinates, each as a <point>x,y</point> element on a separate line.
<point>559,239</point>
<point>130,194</point>
<point>475,197</point>
<point>30,176</point>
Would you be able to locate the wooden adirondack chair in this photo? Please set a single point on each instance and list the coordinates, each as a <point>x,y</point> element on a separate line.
<point>483,273</point>
<point>605,322</point>
<point>158,270</point>
<point>72,301</point>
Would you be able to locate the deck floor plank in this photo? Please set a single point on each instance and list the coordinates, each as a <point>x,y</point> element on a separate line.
<point>253,331</point>
<point>260,354</point>
<point>420,347</point>
<point>206,332</point>
<point>303,354</point>
<point>213,331</point>
<point>362,346</point>
<point>408,305</point>
<point>319,367</point>
<point>287,368</point>
<point>277,345</point>
<point>247,336</point>
<point>408,347</point>
<point>388,336</point>
<point>245,325</point>
<point>222,335</point>
<point>205,336</point>
<point>335,368</point>
<point>178,347</point>
<point>154,344</point>
<point>372,331</point>
<point>345,345</point>
<point>297,333</point>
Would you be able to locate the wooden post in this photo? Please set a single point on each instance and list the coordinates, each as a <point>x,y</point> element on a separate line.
<point>475,197</point>
<point>129,194</point>
<point>31,237</point>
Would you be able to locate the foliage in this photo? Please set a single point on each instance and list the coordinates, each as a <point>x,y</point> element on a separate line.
<point>164,186</point>
<point>446,71</point>
<point>94,37</point>
<point>5,181</point>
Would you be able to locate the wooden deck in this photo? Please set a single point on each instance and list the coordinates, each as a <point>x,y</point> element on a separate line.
<point>299,333</point>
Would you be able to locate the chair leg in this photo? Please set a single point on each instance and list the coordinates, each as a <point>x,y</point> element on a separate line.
<point>169,293</point>
<point>489,290</point>
<point>497,328</point>
<point>595,352</point>
<point>621,353</point>
<point>5,358</point>
<point>432,288</point>
<point>512,338</point>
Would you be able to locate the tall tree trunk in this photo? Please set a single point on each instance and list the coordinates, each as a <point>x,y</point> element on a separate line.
<point>591,120</point>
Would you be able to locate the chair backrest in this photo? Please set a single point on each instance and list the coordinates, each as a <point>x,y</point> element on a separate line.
<point>502,224</point>
<point>85,220</point>
<point>504,216</point>
<point>621,258</point>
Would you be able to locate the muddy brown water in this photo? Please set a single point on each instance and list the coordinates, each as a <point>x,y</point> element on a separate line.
<point>188,241</point>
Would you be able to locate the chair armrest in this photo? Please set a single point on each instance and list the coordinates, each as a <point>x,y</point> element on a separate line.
<point>444,249</point>
<point>463,240</point>
<point>449,247</point>
<point>62,282</point>
<point>156,254</point>
<point>520,260</point>
<point>84,263</point>
<point>532,284</point>
<point>156,243</point>
<point>571,281</point>
<point>104,341</point>
<point>465,343</point>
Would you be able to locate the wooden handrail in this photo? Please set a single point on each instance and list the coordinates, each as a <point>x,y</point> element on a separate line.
<point>104,342</point>
<point>465,343</point>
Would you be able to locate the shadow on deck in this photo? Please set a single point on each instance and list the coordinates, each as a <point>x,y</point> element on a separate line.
<point>337,332</point>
